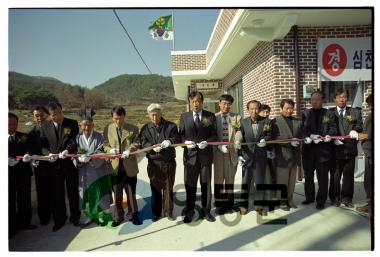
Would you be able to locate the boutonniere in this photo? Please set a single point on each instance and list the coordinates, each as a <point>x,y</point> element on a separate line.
<point>325,119</point>
<point>235,123</point>
<point>23,139</point>
<point>66,131</point>
<point>206,122</point>
<point>349,118</point>
<point>129,135</point>
<point>266,128</point>
<point>81,151</point>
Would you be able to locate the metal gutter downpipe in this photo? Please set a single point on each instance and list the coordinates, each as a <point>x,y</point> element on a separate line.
<point>297,71</point>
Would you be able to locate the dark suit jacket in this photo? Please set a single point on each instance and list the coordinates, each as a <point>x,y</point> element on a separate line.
<point>253,153</point>
<point>352,120</point>
<point>286,154</point>
<point>327,126</point>
<point>207,132</point>
<point>19,147</point>
<point>66,141</point>
<point>367,145</point>
<point>149,137</point>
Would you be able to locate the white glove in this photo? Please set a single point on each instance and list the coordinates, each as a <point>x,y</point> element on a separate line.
<point>84,159</point>
<point>52,157</point>
<point>316,138</point>
<point>126,154</point>
<point>338,142</point>
<point>262,143</point>
<point>241,160</point>
<point>114,151</point>
<point>354,134</point>
<point>35,163</point>
<point>327,139</point>
<point>157,149</point>
<point>166,144</point>
<point>223,148</point>
<point>237,145</point>
<point>190,144</point>
<point>26,158</point>
<point>307,140</point>
<point>271,155</point>
<point>12,162</point>
<point>202,145</point>
<point>295,143</point>
<point>62,155</point>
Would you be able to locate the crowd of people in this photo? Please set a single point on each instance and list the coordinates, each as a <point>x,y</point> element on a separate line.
<point>322,141</point>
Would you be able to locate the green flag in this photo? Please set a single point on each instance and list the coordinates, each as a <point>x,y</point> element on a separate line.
<point>162,28</point>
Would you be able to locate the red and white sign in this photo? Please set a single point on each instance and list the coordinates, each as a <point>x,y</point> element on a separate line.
<point>345,59</point>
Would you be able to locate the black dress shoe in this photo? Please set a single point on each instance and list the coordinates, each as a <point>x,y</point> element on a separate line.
<point>320,206</point>
<point>115,223</point>
<point>83,225</point>
<point>136,221</point>
<point>75,222</point>
<point>335,203</point>
<point>348,204</point>
<point>307,202</point>
<point>209,217</point>
<point>285,208</point>
<point>29,227</point>
<point>188,217</point>
<point>156,218</point>
<point>221,211</point>
<point>57,227</point>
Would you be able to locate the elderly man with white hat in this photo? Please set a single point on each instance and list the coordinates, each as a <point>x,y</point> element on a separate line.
<point>161,160</point>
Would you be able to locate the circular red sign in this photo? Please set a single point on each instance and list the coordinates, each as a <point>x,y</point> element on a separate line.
<point>334,59</point>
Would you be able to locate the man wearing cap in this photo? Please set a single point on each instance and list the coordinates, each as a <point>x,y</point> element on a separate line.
<point>161,160</point>
<point>95,190</point>
<point>122,138</point>
<point>197,127</point>
<point>225,156</point>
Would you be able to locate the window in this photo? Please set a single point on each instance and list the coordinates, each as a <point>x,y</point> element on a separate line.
<point>236,91</point>
<point>329,88</point>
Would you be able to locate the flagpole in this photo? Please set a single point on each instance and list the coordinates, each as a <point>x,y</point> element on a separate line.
<point>173,30</point>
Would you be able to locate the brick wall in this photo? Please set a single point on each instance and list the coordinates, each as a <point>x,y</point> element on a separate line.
<point>183,62</point>
<point>268,70</point>
<point>221,28</point>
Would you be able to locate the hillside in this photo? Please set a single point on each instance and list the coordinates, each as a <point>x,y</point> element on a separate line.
<point>27,91</point>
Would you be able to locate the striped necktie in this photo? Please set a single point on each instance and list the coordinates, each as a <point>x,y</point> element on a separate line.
<point>225,128</point>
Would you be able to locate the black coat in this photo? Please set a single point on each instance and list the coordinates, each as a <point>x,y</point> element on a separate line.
<point>352,120</point>
<point>327,125</point>
<point>167,131</point>
<point>19,147</point>
<point>252,153</point>
<point>367,145</point>
<point>207,132</point>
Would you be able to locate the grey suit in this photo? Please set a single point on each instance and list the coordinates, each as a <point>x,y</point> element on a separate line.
<point>287,156</point>
<point>255,157</point>
<point>225,164</point>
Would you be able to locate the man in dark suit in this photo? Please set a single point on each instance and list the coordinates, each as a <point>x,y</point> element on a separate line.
<point>254,156</point>
<point>19,173</point>
<point>367,144</point>
<point>286,154</point>
<point>345,151</point>
<point>59,138</point>
<point>318,125</point>
<point>41,169</point>
<point>161,160</point>
<point>196,127</point>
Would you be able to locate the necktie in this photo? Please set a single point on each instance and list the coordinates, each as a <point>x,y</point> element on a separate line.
<point>225,128</point>
<point>11,138</point>
<point>341,115</point>
<point>197,122</point>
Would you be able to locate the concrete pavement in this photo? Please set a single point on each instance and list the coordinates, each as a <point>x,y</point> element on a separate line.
<point>306,228</point>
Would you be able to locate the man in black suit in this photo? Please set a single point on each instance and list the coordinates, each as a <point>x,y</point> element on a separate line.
<point>349,123</point>
<point>318,125</point>
<point>254,156</point>
<point>41,169</point>
<point>196,127</point>
<point>19,173</point>
<point>58,136</point>
<point>161,160</point>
